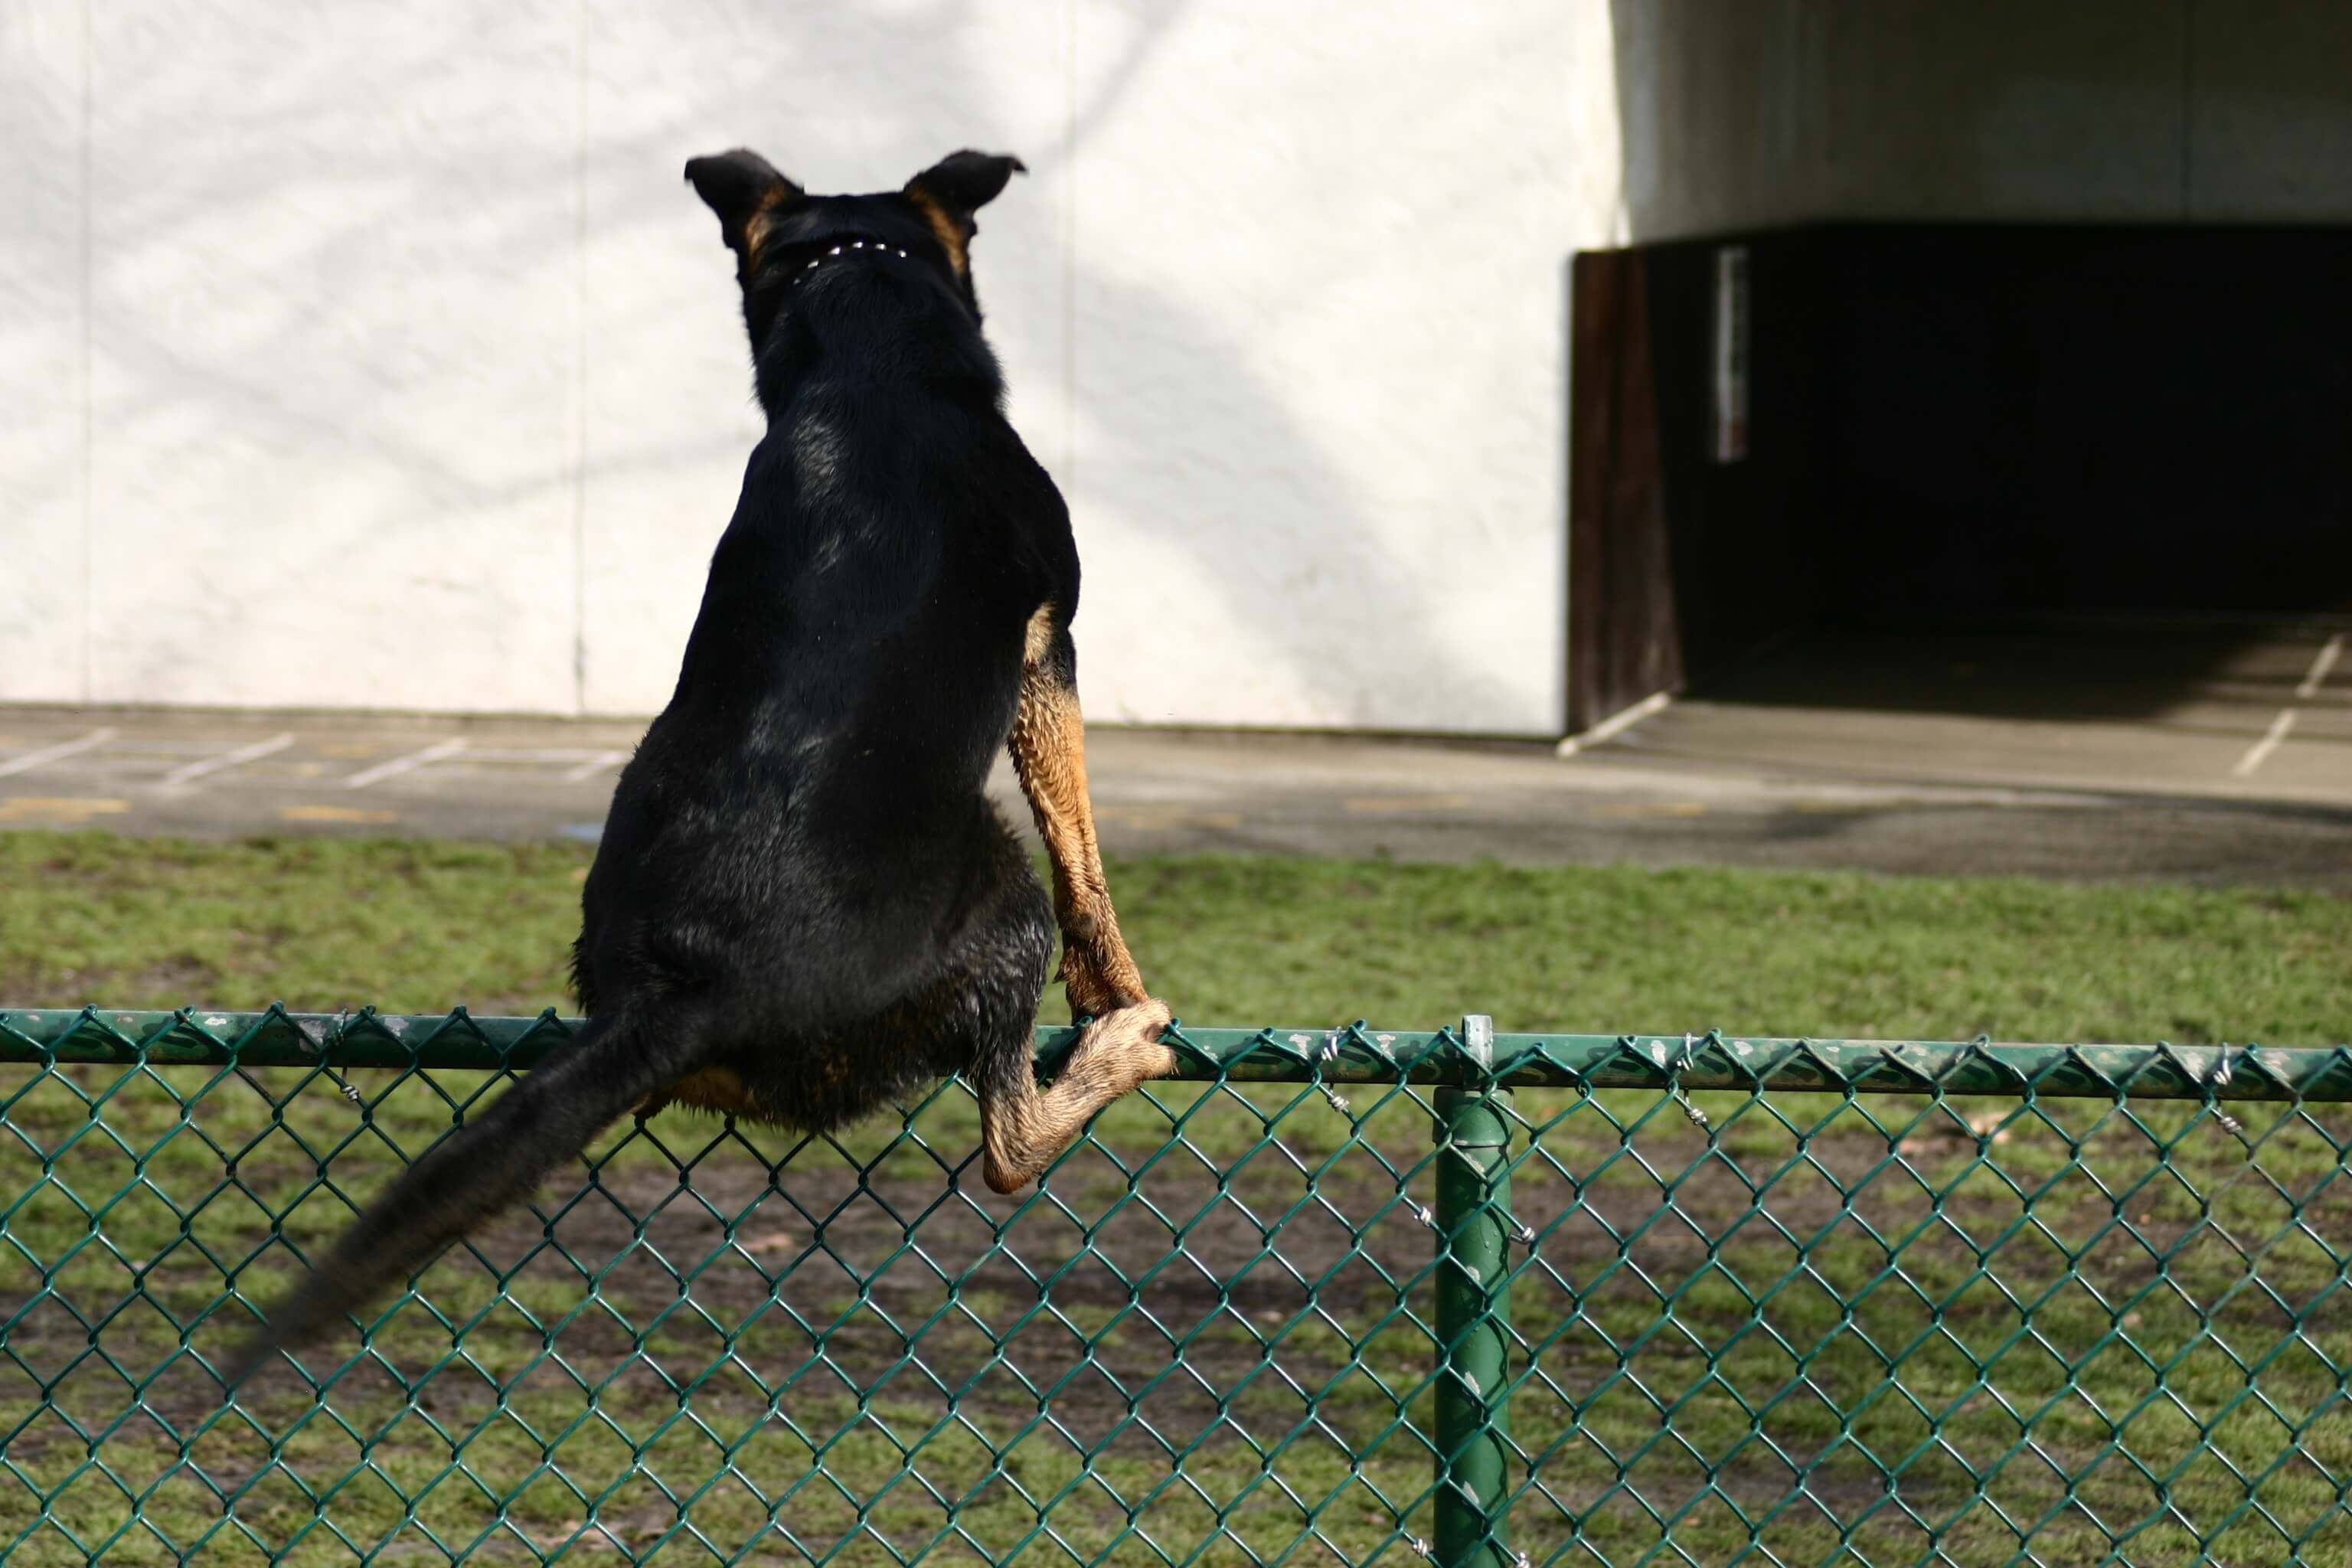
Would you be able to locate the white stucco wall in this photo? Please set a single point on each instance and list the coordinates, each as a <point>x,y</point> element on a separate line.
<point>376,354</point>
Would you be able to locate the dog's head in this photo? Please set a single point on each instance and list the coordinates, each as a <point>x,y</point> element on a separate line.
<point>778,232</point>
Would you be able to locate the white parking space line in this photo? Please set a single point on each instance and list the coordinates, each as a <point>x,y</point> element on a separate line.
<point>31,760</point>
<point>2259,752</point>
<point>438,751</point>
<point>2321,666</point>
<point>205,766</point>
<point>595,766</point>
<point>1616,723</point>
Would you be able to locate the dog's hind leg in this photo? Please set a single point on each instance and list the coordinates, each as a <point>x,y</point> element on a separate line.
<point>988,1003</point>
<point>1022,1129</point>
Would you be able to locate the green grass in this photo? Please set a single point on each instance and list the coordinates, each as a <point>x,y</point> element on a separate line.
<point>2075,1313</point>
<point>419,925</point>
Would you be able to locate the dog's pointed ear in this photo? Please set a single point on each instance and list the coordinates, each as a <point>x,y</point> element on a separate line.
<point>948,192</point>
<point>746,192</point>
<point>965,182</point>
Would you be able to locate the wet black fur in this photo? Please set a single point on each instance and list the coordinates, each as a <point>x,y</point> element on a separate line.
<point>801,879</point>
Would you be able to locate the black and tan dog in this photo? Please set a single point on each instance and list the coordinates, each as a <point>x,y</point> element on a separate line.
<point>804,904</point>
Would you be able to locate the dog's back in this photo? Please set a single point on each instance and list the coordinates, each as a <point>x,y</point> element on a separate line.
<point>814,792</point>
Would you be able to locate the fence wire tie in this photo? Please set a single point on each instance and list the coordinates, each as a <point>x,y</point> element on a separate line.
<point>321,1037</point>
<point>2220,1080</point>
<point>1681,1097</point>
<point>1330,1055</point>
<point>1329,1052</point>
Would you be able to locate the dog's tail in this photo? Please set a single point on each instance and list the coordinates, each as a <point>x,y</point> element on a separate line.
<point>494,1162</point>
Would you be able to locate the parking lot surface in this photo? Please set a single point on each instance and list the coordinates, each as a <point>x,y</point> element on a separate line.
<point>2214,755</point>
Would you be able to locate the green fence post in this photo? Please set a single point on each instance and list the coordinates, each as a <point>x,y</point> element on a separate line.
<point>1474,1312</point>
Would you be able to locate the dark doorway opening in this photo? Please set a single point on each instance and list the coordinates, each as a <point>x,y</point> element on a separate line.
<point>1954,426</point>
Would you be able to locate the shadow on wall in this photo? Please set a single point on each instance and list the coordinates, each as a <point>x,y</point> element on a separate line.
<point>282,464</point>
<point>1204,384</point>
<point>274,576</point>
<point>1272,530</point>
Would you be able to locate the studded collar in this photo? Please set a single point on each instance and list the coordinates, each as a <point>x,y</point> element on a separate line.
<point>850,247</point>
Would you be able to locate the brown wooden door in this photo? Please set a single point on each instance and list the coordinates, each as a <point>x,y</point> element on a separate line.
<point>1624,642</point>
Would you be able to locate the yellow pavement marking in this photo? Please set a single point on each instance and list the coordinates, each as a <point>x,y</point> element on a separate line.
<point>1390,805</point>
<point>1164,816</point>
<point>67,807</point>
<point>333,813</point>
<point>1662,808</point>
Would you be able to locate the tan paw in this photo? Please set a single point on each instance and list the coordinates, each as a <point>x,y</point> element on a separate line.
<point>1124,1044</point>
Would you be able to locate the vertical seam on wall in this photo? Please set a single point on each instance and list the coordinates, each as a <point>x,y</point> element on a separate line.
<point>1070,250</point>
<point>2188,105</point>
<point>88,363</point>
<point>1564,384</point>
<point>577,437</point>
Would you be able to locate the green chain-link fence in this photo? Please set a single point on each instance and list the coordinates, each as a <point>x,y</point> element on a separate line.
<point>1342,1296</point>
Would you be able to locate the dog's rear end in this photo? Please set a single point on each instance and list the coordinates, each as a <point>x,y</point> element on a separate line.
<point>804,903</point>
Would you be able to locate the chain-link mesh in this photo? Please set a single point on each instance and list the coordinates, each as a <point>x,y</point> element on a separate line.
<point>1337,1296</point>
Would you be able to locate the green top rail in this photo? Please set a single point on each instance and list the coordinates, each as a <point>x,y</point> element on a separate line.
<point>1355,1054</point>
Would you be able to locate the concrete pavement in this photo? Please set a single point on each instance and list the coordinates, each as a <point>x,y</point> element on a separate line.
<point>2019,758</point>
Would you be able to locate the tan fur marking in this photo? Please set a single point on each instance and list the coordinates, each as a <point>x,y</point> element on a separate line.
<point>1023,1130</point>
<point>951,232</point>
<point>1049,755</point>
<point>762,219</point>
<point>1039,638</point>
<point>712,1089</point>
